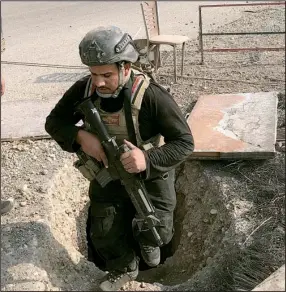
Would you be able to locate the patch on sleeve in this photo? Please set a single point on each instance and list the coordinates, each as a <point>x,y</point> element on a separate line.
<point>138,90</point>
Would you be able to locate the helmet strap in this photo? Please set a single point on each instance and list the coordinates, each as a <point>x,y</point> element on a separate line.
<point>122,80</point>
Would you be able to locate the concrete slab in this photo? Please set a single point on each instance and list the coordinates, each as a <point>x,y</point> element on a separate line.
<point>25,118</point>
<point>234,126</point>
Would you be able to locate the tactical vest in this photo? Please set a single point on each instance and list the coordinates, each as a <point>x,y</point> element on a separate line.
<point>115,122</point>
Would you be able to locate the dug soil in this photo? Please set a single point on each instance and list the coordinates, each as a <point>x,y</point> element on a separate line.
<point>230,215</point>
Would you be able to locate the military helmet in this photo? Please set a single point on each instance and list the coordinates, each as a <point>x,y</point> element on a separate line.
<point>107,45</point>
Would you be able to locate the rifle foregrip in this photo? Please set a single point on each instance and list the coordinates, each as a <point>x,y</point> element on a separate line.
<point>123,149</point>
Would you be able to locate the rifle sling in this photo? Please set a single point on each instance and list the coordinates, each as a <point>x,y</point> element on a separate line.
<point>128,114</point>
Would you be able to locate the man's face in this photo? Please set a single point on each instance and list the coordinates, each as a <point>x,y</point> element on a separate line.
<point>105,78</point>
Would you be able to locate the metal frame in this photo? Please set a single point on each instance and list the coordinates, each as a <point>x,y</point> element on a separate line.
<point>201,34</point>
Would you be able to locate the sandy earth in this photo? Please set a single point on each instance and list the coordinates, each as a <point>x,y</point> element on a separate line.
<point>230,228</point>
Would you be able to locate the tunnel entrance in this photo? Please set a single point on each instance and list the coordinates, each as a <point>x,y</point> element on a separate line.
<point>214,246</point>
<point>200,222</point>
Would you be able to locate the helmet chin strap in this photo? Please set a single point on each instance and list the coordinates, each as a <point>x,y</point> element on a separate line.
<point>121,82</point>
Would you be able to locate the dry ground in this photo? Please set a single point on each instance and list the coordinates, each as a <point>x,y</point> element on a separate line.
<point>253,191</point>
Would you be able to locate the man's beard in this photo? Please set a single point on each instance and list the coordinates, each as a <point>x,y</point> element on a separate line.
<point>113,95</point>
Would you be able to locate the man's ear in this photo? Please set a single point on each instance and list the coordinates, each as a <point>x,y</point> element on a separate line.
<point>127,67</point>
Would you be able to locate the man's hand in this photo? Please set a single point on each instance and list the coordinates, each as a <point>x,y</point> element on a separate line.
<point>91,145</point>
<point>134,160</point>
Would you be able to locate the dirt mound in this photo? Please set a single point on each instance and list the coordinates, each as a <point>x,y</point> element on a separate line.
<point>230,228</point>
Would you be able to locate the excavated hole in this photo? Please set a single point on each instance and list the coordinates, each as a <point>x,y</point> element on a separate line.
<point>201,220</point>
<point>214,218</point>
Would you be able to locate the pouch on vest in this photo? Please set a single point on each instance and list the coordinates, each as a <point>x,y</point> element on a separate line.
<point>91,169</point>
<point>86,166</point>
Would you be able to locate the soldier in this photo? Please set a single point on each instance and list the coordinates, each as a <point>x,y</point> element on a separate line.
<point>137,111</point>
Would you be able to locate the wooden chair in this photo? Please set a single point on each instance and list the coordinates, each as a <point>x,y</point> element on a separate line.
<point>155,39</point>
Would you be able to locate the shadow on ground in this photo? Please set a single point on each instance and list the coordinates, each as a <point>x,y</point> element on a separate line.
<point>33,259</point>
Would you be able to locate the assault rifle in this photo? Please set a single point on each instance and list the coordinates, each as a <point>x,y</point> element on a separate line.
<point>133,185</point>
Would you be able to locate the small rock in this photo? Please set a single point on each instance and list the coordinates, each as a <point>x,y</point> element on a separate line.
<point>213,211</point>
<point>142,285</point>
<point>206,253</point>
<point>190,234</point>
<point>41,189</point>
<point>23,204</point>
<point>280,146</point>
<point>44,172</point>
<point>209,261</point>
<point>24,188</point>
